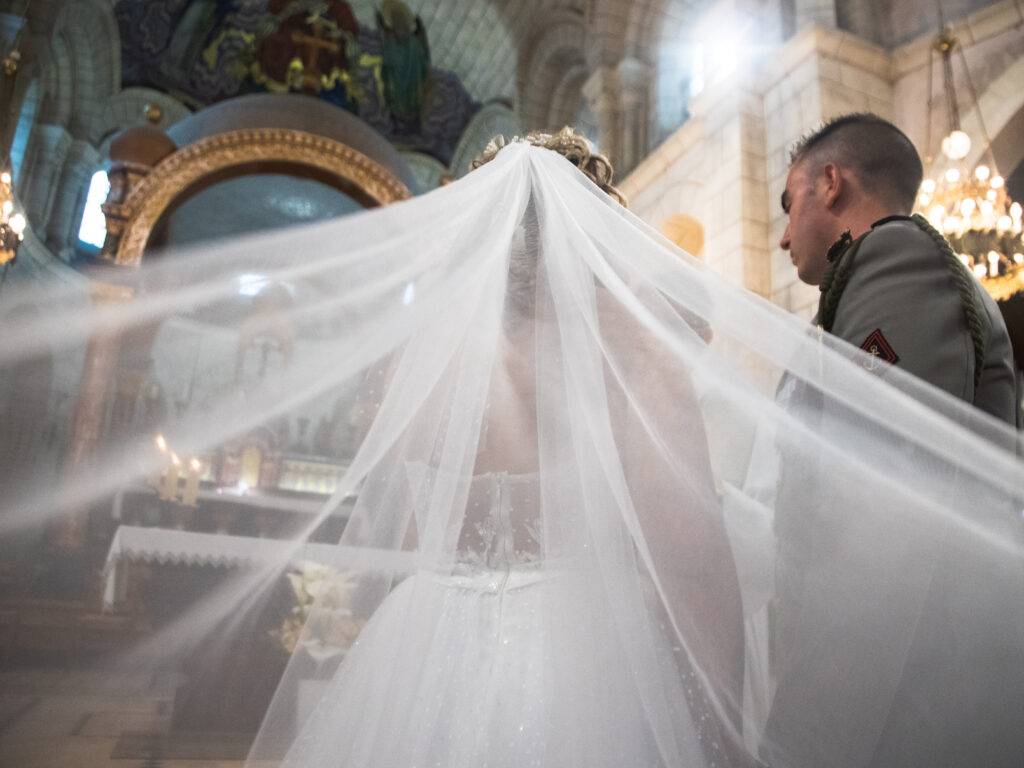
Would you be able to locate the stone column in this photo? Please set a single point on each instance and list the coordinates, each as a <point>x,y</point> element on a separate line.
<point>133,154</point>
<point>70,191</point>
<point>89,416</point>
<point>635,83</point>
<point>51,146</point>
<point>602,90</point>
<point>815,12</point>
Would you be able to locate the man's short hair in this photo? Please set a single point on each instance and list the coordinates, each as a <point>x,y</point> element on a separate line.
<point>876,151</point>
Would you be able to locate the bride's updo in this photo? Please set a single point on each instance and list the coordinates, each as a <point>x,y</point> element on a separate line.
<point>570,144</point>
<point>520,296</point>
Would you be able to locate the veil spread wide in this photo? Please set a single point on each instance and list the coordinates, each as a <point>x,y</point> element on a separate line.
<point>599,507</point>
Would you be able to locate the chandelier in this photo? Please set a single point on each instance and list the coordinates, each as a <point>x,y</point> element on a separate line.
<point>12,224</point>
<point>970,205</point>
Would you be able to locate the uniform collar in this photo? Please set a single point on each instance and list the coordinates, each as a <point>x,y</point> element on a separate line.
<point>894,217</point>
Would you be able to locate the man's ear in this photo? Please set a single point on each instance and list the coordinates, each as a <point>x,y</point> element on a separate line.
<point>834,184</point>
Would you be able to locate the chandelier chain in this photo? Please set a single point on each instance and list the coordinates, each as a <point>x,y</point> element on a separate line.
<point>947,80</point>
<point>931,102</point>
<point>977,104</point>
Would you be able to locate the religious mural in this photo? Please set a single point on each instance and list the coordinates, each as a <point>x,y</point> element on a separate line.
<point>204,51</point>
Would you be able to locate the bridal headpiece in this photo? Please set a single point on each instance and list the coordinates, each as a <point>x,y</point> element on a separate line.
<point>570,144</point>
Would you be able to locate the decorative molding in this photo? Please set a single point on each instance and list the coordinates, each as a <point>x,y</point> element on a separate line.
<point>211,155</point>
<point>126,109</point>
<point>491,120</point>
<point>428,171</point>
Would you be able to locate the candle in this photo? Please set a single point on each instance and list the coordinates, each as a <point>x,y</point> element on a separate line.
<point>170,489</point>
<point>158,480</point>
<point>169,483</point>
<point>192,483</point>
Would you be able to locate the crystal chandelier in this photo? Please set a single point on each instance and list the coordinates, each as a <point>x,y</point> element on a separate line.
<point>971,206</point>
<point>12,224</point>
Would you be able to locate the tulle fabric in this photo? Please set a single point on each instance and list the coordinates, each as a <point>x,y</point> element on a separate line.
<point>726,540</point>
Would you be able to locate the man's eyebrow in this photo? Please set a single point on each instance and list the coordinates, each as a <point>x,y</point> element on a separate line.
<point>784,200</point>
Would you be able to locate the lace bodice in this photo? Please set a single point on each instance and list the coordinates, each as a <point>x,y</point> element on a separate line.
<point>501,527</point>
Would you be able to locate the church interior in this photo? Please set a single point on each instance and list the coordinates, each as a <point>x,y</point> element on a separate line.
<point>132,127</point>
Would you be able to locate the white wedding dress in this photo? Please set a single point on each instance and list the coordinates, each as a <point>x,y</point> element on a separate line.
<point>505,662</point>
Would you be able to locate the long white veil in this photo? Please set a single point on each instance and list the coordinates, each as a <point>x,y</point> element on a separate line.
<point>599,507</point>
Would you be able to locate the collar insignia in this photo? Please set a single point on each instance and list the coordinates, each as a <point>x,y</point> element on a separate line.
<point>839,247</point>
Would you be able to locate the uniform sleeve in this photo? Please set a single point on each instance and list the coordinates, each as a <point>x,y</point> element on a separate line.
<point>901,305</point>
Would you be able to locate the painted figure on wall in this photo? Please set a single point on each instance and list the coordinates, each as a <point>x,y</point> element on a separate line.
<point>406,68</point>
<point>192,34</point>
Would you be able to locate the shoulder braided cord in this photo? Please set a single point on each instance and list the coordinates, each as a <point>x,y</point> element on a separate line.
<point>839,271</point>
<point>964,282</point>
<point>837,275</point>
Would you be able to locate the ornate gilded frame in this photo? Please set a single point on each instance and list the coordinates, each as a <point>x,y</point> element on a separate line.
<point>222,152</point>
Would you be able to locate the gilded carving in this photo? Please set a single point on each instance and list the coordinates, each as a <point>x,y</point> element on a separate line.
<point>179,171</point>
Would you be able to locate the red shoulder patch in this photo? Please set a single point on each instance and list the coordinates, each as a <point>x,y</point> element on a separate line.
<point>876,344</point>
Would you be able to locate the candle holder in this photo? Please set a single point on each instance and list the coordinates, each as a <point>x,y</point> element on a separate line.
<point>168,481</point>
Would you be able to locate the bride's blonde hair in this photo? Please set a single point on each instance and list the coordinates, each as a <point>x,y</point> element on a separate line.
<point>570,144</point>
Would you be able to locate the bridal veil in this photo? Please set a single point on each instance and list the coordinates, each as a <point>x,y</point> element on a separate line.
<point>595,496</point>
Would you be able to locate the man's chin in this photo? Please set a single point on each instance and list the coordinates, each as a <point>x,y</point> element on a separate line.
<point>807,276</point>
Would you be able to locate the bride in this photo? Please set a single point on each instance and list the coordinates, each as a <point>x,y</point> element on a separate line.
<point>537,633</point>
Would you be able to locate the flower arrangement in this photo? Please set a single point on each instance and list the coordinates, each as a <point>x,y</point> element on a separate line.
<point>321,621</point>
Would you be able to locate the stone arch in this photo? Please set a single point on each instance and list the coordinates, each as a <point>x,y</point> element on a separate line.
<point>58,83</point>
<point>567,98</point>
<point>654,23</point>
<point>559,48</point>
<point>233,152</point>
<point>607,23</point>
<point>89,31</point>
<point>662,36</point>
<point>643,30</point>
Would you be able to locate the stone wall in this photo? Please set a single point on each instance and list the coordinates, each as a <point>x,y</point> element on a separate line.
<point>727,165</point>
<point>66,104</point>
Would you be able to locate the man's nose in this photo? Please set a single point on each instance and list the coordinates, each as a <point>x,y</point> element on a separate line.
<point>784,240</point>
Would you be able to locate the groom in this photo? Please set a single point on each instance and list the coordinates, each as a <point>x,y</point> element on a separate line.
<point>892,286</point>
<point>888,284</point>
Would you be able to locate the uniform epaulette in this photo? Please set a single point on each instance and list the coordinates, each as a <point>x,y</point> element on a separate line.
<point>840,268</point>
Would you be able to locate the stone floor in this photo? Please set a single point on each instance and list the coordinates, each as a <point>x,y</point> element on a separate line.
<point>94,719</point>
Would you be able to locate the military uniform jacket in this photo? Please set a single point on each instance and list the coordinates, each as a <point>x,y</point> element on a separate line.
<point>894,293</point>
<point>900,301</point>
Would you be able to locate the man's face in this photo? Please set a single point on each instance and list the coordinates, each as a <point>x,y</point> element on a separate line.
<point>811,229</point>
